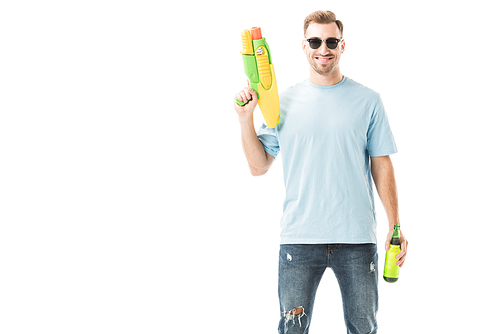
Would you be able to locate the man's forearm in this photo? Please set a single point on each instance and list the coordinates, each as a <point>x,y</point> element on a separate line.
<point>385,181</point>
<point>256,156</point>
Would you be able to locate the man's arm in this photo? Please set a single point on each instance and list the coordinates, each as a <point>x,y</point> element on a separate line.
<point>385,181</point>
<point>258,159</point>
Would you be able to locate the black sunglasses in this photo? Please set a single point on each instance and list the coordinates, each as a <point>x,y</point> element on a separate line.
<point>331,43</point>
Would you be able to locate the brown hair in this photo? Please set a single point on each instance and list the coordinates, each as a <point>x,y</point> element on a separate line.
<point>323,17</point>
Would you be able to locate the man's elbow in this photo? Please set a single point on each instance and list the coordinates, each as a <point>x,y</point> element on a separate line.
<point>261,170</point>
<point>258,172</point>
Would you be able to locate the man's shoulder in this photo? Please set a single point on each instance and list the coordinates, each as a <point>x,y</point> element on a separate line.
<point>362,89</point>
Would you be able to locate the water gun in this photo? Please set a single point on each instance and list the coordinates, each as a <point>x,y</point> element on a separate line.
<point>260,72</point>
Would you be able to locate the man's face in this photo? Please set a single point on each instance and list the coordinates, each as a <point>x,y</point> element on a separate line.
<point>323,60</point>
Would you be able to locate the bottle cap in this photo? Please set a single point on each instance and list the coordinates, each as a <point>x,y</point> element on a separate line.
<point>256,34</point>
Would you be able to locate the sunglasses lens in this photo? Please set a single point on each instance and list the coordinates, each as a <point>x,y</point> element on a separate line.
<point>332,43</point>
<point>314,43</point>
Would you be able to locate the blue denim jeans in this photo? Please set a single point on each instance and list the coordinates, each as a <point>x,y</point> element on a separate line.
<point>300,270</point>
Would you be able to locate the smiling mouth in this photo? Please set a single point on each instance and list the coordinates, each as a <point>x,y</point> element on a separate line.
<point>323,60</point>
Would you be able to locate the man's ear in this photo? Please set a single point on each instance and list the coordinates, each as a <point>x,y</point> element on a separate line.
<point>304,45</point>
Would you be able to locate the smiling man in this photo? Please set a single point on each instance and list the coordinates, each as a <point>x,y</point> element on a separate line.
<point>326,58</point>
<point>334,137</point>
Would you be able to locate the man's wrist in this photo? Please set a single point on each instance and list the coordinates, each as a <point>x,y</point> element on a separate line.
<point>246,120</point>
<point>392,223</point>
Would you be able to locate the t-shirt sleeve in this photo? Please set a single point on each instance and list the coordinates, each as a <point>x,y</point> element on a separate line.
<point>269,139</point>
<point>380,139</point>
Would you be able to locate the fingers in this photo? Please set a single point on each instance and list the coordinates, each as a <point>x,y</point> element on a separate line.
<point>248,99</point>
<point>246,94</point>
<point>242,97</point>
<point>388,241</point>
<point>402,254</point>
<point>253,94</point>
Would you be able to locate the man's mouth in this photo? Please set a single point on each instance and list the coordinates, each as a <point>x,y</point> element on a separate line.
<point>324,60</point>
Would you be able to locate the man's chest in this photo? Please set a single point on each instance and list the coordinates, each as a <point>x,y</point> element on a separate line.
<point>324,121</point>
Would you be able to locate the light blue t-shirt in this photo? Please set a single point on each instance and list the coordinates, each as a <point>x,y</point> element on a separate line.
<point>326,136</point>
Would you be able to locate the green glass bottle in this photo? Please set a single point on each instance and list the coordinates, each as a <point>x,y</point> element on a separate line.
<point>391,270</point>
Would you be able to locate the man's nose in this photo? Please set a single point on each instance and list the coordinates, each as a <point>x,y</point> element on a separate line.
<point>323,49</point>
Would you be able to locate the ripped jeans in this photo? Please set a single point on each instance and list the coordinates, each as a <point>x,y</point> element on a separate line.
<point>300,270</point>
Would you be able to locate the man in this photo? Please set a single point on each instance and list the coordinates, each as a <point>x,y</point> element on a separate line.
<point>334,136</point>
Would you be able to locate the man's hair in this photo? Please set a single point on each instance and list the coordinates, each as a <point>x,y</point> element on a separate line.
<point>323,17</point>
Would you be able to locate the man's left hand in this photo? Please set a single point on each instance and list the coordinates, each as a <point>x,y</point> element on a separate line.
<point>404,246</point>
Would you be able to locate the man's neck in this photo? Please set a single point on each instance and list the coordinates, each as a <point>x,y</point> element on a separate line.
<point>325,80</point>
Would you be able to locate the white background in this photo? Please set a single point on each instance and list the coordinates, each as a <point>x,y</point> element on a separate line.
<point>126,201</point>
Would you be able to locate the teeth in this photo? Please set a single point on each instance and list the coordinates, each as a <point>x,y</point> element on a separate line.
<point>324,59</point>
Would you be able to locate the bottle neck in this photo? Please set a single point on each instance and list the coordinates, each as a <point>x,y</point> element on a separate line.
<point>396,241</point>
<point>395,236</point>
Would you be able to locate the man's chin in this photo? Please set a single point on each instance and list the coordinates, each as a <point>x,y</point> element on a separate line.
<point>324,71</point>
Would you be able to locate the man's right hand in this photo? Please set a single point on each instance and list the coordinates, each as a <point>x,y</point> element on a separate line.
<point>246,112</point>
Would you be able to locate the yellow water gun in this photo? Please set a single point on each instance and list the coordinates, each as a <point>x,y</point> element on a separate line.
<point>260,72</point>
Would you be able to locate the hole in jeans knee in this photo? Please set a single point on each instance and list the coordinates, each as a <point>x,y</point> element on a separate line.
<point>294,314</point>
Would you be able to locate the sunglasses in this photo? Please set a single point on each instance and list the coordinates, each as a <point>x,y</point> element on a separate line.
<point>331,43</point>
